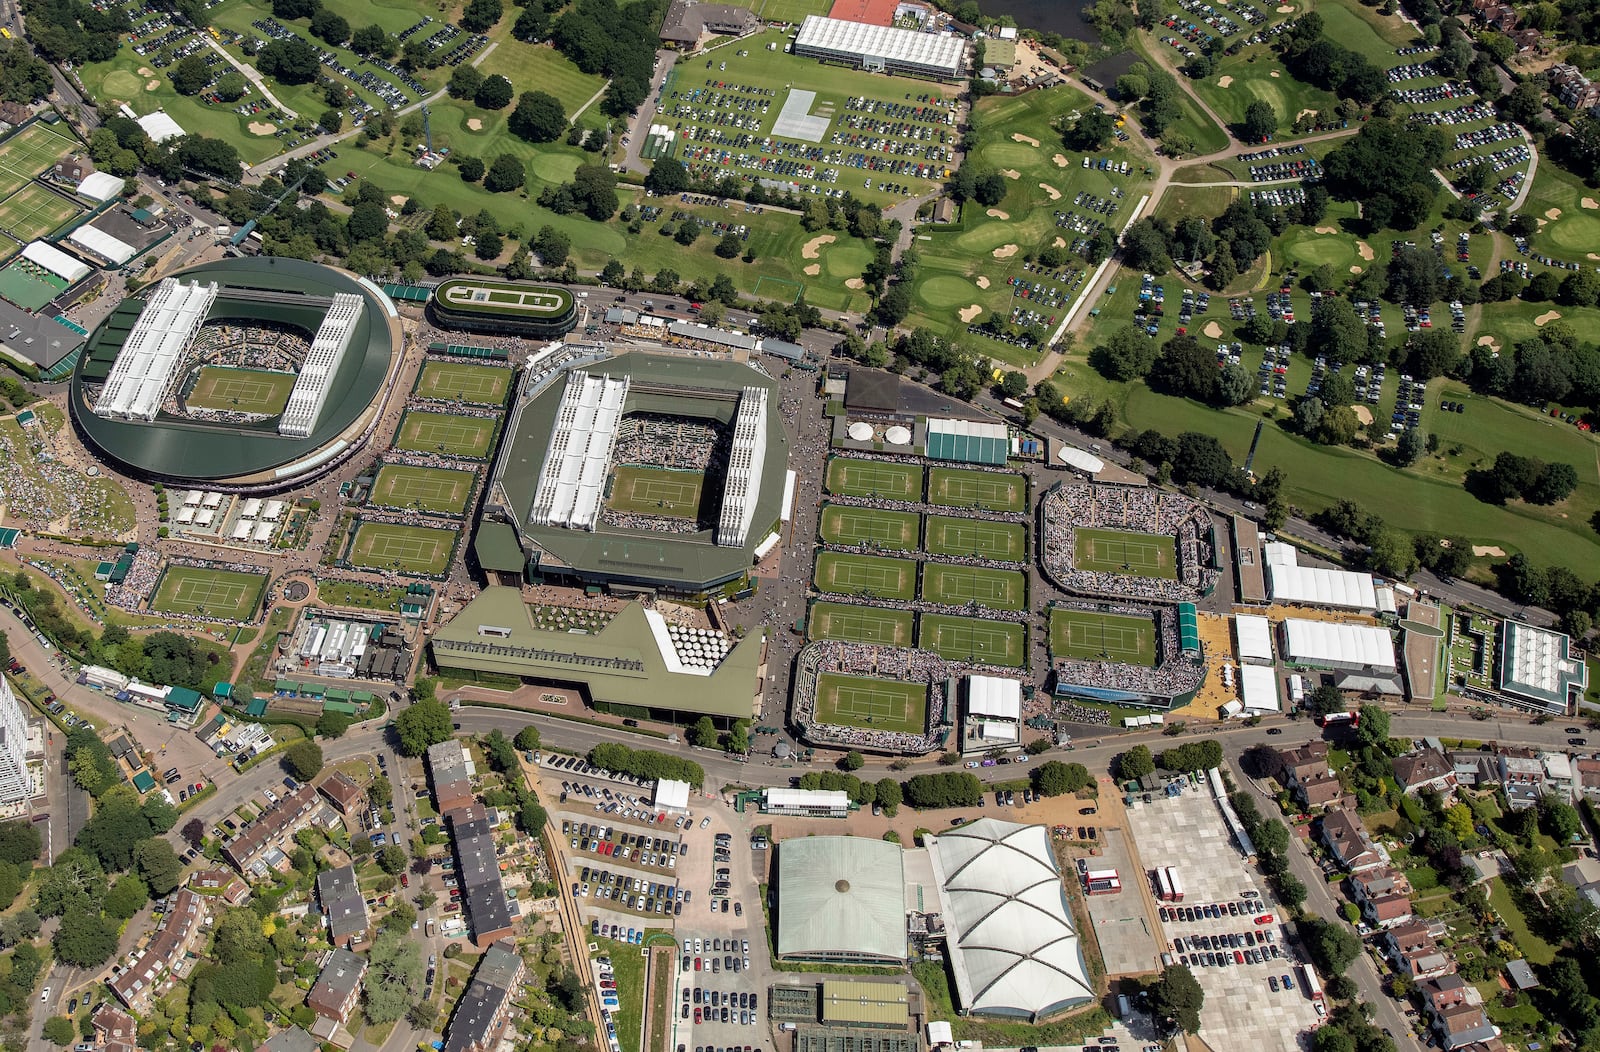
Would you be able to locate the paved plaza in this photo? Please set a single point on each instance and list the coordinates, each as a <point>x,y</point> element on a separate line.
<point>1121,923</point>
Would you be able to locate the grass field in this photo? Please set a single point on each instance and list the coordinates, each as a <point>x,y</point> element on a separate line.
<point>867,575</point>
<point>28,152</point>
<point>386,546</point>
<point>222,594</point>
<point>464,382</point>
<point>242,390</point>
<point>657,491</point>
<point>872,478</point>
<point>973,639</point>
<point>459,436</point>
<point>1102,637</point>
<point>1122,552</point>
<point>1575,231</point>
<point>34,211</point>
<point>964,488</point>
<point>529,66</point>
<point>844,524</point>
<point>956,585</point>
<point>878,704</point>
<point>860,624</point>
<point>1003,541</point>
<point>424,489</point>
<point>28,285</point>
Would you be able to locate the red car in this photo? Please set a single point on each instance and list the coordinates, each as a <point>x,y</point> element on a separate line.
<point>1265,918</point>
<point>697,1015</point>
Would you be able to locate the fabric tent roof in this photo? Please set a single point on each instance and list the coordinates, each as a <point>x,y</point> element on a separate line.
<point>1255,637</point>
<point>1287,581</point>
<point>101,186</point>
<point>993,696</point>
<point>1012,946</point>
<point>160,127</point>
<point>841,896</point>
<point>1328,643</point>
<point>1258,686</point>
<point>970,441</point>
<point>672,794</point>
<point>102,244</point>
<point>55,261</point>
<point>1079,460</point>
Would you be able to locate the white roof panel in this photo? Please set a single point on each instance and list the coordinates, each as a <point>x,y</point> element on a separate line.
<point>1075,458</point>
<point>995,697</point>
<point>160,127</point>
<point>1287,581</point>
<point>1258,685</point>
<point>672,794</point>
<point>935,52</point>
<point>101,186</point>
<point>1325,642</point>
<point>102,244</point>
<point>55,261</point>
<point>1255,637</point>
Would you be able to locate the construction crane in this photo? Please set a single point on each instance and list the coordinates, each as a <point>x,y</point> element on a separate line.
<point>249,228</point>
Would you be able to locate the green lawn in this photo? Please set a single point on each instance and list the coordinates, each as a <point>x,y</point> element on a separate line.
<point>418,549</point>
<point>1001,541</point>
<point>970,488</point>
<point>540,67</point>
<point>860,624</point>
<point>874,478</point>
<point>877,704</point>
<point>1093,637</point>
<point>1534,948</point>
<point>463,381</point>
<point>958,585</point>
<point>628,963</point>
<point>849,525</point>
<point>364,596</point>
<point>1125,552</point>
<point>200,592</point>
<point>1200,129</point>
<point>1575,232</point>
<point>866,575</point>
<point>440,490</point>
<point>973,639</point>
<point>656,491</point>
<point>461,436</point>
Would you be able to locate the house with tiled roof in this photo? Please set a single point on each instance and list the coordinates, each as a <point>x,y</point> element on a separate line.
<point>114,1029</point>
<point>1426,768</point>
<point>1455,1020</point>
<point>344,908</point>
<point>1307,777</point>
<point>153,970</point>
<point>228,887</point>
<point>1522,776</point>
<point>1587,775</point>
<point>1413,951</point>
<point>1346,838</point>
<point>483,1010</point>
<point>343,793</point>
<point>338,987</point>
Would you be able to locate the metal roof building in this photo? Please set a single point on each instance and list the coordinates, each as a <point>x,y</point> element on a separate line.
<point>841,898</point>
<point>967,441</point>
<point>1327,644</point>
<point>882,49</point>
<point>1539,666</point>
<point>862,1002</point>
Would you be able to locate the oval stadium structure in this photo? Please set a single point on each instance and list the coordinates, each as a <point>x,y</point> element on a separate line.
<point>485,305</point>
<point>253,373</point>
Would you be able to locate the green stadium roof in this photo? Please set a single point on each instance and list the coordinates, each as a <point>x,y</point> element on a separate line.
<point>621,664</point>
<point>497,548</point>
<point>1188,628</point>
<point>967,442</point>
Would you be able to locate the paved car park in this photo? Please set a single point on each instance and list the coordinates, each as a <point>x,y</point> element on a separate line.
<point>1242,1008</point>
<point>1122,924</point>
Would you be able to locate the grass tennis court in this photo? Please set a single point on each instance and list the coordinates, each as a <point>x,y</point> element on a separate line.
<point>386,546</point>
<point>242,390</point>
<point>1090,636</point>
<point>845,524</point>
<point>29,285</point>
<point>869,575</point>
<point>860,624</point>
<point>1118,551</point>
<point>219,594</point>
<point>459,436</point>
<point>657,491</point>
<point>34,211</point>
<point>973,639</point>
<point>1004,541</point>
<point>956,585</point>
<point>963,488</point>
<point>879,704</point>
<point>28,152</point>
<point>872,478</point>
<point>426,489</point>
<point>464,382</point>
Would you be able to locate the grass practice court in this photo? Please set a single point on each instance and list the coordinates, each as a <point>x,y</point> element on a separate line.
<point>28,285</point>
<point>878,704</point>
<point>657,491</point>
<point>846,524</point>
<point>30,151</point>
<point>958,585</point>
<point>860,624</point>
<point>963,488</point>
<point>1001,541</point>
<point>871,478</point>
<point>241,390</point>
<point>868,575</point>
<point>464,382</point>
<point>457,436</point>
<point>973,639</point>
<point>220,594</point>
<point>34,211</point>
<point>1120,552</point>
<point>387,546</point>
<point>426,489</point>
<point>1089,636</point>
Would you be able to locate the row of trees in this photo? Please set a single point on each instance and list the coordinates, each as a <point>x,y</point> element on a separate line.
<point>646,763</point>
<point>616,42</point>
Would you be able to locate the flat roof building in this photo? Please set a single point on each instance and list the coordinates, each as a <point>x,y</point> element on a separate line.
<point>863,1002</point>
<point>1330,645</point>
<point>881,49</point>
<point>841,899</point>
<point>1539,668</point>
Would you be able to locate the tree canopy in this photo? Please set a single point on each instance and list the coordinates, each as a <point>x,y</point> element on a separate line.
<point>422,724</point>
<point>1178,998</point>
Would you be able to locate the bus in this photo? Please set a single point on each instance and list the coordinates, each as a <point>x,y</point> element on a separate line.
<point>1308,976</point>
<point>1012,403</point>
<point>1339,719</point>
<point>1174,883</point>
<point>1163,889</point>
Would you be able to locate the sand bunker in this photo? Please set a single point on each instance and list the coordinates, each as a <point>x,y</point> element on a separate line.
<point>1304,113</point>
<point>474,124</point>
<point>1326,230</point>
<point>1212,330</point>
<point>1285,9</point>
<point>397,199</point>
<point>1274,74</point>
<point>1552,214</point>
<point>1546,318</point>
<point>1055,195</point>
<point>1225,82</point>
<point>1062,160</point>
<point>966,314</point>
<point>1363,414</point>
<point>262,128</point>
<point>146,71</point>
<point>813,270</point>
<point>152,84</point>
<point>1589,202</point>
<point>1011,173</point>
<point>1593,256</point>
<point>983,282</point>
<point>995,213</point>
<point>1364,250</point>
<point>1061,242</point>
<point>1489,549</point>
<point>1355,270</point>
<point>854,283</point>
<point>811,247</point>
<point>1005,252</point>
<point>1485,341</point>
<point>1019,137</point>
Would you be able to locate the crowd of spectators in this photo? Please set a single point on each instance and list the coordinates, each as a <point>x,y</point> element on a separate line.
<point>137,585</point>
<point>1168,678</point>
<point>632,520</point>
<point>677,442</point>
<point>1086,505</point>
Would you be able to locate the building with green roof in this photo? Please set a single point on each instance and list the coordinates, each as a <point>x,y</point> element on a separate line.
<point>144,781</point>
<point>631,664</point>
<point>841,899</point>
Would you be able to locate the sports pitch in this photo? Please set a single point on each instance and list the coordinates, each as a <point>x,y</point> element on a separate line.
<point>242,390</point>
<point>34,211</point>
<point>386,546</point>
<point>878,704</point>
<point>872,478</point>
<point>425,489</point>
<point>846,524</point>
<point>459,436</point>
<point>1001,541</point>
<point>860,624</point>
<point>958,585</point>
<point>28,152</point>
<point>219,594</point>
<point>29,285</point>
<point>464,382</point>
<point>1089,636</point>
<point>868,575</point>
<point>973,639</point>
<point>657,491</point>
<point>1121,552</point>
<point>963,488</point>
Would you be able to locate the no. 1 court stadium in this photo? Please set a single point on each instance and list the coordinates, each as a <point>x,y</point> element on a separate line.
<point>866,575</point>
<point>873,527</point>
<point>1124,552</point>
<point>488,306</point>
<point>223,595</point>
<point>849,623</point>
<point>873,704</point>
<point>852,477</point>
<point>966,488</point>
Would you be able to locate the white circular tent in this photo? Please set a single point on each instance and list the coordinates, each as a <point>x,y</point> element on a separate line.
<point>861,431</point>
<point>898,436</point>
<point>1078,460</point>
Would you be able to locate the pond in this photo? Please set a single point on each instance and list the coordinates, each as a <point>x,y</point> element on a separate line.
<point>1057,16</point>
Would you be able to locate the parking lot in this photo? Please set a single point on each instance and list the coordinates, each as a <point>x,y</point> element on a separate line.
<point>1242,1009</point>
<point>1122,924</point>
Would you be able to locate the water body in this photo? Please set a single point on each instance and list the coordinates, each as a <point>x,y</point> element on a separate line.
<point>1056,16</point>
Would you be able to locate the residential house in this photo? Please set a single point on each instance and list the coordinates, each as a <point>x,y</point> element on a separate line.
<point>1347,839</point>
<point>1475,769</point>
<point>1383,896</point>
<point>1520,977</point>
<point>291,1040</point>
<point>483,1009</point>
<point>263,846</point>
<point>1456,1022</point>
<point>1307,777</point>
<point>1560,780</point>
<point>451,770</point>
<point>228,887</point>
<point>1386,911</point>
<point>337,989</point>
<point>1584,877</point>
<point>1522,775</point>
<point>344,794</point>
<point>483,896</point>
<point>114,1029</point>
<point>1528,39</point>
<point>1574,89</point>
<point>1414,952</point>
<point>150,971</point>
<point>1424,769</point>
<point>1587,777</point>
<point>687,21</point>
<point>344,908</point>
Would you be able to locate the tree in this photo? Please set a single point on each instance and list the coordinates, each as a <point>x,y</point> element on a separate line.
<point>1260,122</point>
<point>472,168</point>
<point>373,40</point>
<point>945,789</point>
<point>528,738</point>
<point>1332,945</point>
<point>889,796</point>
<point>84,939</point>
<point>667,176</point>
<point>393,970</point>
<point>292,61</point>
<point>1374,726</point>
<point>303,759</point>
<point>465,81</point>
<point>1128,355</point>
<point>329,27</point>
<point>853,761</point>
<point>537,118</point>
<point>191,75</point>
<point>58,1030</point>
<point>506,173</point>
<point>333,724</point>
<point>730,245</point>
<point>1091,131</point>
<point>1135,764</point>
<point>295,8</point>
<point>494,93</point>
<point>19,842</point>
<point>488,245</point>
<point>392,859</point>
<point>1177,997</point>
<point>479,15</point>
<point>126,897</point>
<point>1560,819</point>
<point>1409,448</point>
<point>159,865</point>
<point>422,724</point>
<point>531,818</point>
<point>531,25</point>
<point>703,733</point>
<point>1291,890</point>
<point>1054,778</point>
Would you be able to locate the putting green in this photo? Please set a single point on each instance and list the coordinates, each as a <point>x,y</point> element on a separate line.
<point>845,261</point>
<point>121,84</point>
<point>986,236</point>
<point>1012,155</point>
<point>555,167</point>
<point>1577,232</point>
<point>947,290</point>
<point>1336,250</point>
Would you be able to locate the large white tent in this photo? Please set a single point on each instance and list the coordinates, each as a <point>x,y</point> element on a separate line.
<point>55,261</point>
<point>1258,686</point>
<point>1079,460</point>
<point>1012,946</point>
<point>880,48</point>
<point>1326,644</point>
<point>1255,638</point>
<point>101,186</point>
<point>994,697</point>
<point>160,127</point>
<point>102,244</point>
<point>1289,582</point>
<point>671,795</point>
